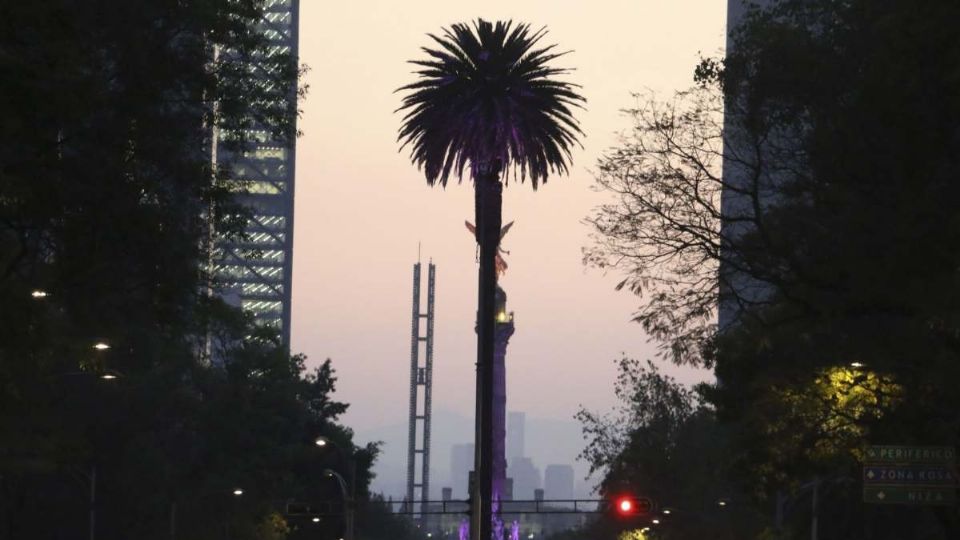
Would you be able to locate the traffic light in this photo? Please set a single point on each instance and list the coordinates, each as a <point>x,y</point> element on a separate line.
<point>628,506</point>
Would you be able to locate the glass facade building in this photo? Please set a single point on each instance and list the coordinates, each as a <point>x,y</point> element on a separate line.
<point>255,273</point>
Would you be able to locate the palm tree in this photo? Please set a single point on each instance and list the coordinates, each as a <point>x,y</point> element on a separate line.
<point>486,97</point>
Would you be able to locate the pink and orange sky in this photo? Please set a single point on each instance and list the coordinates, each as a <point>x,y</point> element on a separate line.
<point>362,208</point>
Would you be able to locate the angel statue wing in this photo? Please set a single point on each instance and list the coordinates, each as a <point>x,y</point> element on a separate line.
<point>499,261</point>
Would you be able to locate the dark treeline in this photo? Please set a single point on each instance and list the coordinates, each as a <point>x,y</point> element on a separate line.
<point>108,204</point>
<point>807,184</point>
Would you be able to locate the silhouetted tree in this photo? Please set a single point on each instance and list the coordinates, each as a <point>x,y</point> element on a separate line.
<point>488,97</point>
<point>108,200</point>
<point>817,213</point>
<point>663,442</point>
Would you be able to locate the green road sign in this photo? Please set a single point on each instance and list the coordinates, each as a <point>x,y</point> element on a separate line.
<point>925,496</point>
<point>909,475</point>
<point>910,454</point>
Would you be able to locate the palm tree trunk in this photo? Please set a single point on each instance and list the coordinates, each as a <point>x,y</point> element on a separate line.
<point>489,197</point>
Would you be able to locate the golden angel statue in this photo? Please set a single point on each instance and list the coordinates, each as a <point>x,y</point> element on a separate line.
<point>501,264</point>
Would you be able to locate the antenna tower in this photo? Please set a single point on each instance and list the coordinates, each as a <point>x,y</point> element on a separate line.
<point>421,375</point>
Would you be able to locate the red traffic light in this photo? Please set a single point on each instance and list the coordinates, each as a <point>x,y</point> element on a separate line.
<point>629,505</point>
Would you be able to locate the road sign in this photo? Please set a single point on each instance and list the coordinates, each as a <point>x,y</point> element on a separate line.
<point>924,496</point>
<point>911,475</point>
<point>910,454</point>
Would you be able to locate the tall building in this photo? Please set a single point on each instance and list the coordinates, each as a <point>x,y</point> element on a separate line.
<point>743,156</point>
<point>526,477</point>
<point>558,482</point>
<point>515,429</point>
<point>256,272</point>
<point>461,463</point>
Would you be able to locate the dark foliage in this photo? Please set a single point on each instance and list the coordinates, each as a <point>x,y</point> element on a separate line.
<point>108,200</point>
<point>664,443</point>
<point>833,232</point>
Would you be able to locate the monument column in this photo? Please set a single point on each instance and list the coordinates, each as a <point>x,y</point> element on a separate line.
<point>503,330</point>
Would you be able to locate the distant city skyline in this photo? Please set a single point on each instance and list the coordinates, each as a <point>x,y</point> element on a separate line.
<point>550,442</point>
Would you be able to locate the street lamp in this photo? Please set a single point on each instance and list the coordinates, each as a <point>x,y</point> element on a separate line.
<point>39,293</point>
<point>90,476</point>
<point>349,495</point>
<point>237,492</point>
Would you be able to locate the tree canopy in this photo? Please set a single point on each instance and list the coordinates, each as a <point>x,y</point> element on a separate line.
<point>121,375</point>
<point>804,188</point>
<point>488,94</point>
<point>663,442</point>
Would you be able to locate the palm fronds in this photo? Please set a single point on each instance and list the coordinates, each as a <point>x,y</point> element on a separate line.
<point>486,95</point>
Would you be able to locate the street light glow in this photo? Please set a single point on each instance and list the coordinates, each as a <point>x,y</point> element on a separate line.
<point>667,511</point>
<point>238,492</point>
<point>108,376</point>
<point>320,441</point>
<point>101,346</point>
<point>316,520</point>
<point>856,364</point>
<point>39,293</point>
<point>655,521</point>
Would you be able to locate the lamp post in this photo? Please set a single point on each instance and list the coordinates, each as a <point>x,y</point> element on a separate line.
<point>348,490</point>
<point>91,476</point>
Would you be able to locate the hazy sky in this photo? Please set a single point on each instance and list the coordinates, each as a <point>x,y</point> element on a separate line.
<point>362,208</point>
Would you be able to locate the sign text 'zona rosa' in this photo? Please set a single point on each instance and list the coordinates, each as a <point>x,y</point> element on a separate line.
<point>909,475</point>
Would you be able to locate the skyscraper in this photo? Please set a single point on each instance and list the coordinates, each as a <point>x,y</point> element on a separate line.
<point>743,156</point>
<point>256,272</point>
<point>558,482</point>
<point>461,463</point>
<point>526,477</point>
<point>515,428</point>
